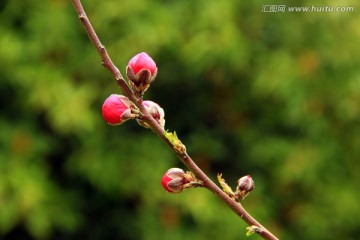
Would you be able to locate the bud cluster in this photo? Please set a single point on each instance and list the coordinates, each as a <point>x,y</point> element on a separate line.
<point>141,72</point>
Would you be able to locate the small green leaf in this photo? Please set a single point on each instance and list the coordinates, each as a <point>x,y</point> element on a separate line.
<point>252,229</point>
<point>249,233</point>
<point>175,142</point>
<point>172,137</point>
<point>226,188</point>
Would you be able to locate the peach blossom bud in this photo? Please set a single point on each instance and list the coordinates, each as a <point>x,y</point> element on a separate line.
<point>155,111</point>
<point>116,109</point>
<point>174,180</point>
<point>141,71</point>
<point>246,183</point>
<point>142,61</point>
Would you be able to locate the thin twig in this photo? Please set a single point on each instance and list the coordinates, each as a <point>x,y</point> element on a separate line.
<point>185,158</point>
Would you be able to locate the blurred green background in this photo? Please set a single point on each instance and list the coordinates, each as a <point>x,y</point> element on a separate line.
<point>273,95</point>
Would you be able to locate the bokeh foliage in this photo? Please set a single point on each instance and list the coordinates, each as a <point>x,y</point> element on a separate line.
<point>274,95</point>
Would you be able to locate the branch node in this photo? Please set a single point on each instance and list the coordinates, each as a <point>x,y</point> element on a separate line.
<point>82,16</point>
<point>102,49</point>
<point>253,229</point>
<point>119,78</point>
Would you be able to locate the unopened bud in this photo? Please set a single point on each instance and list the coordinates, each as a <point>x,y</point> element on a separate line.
<point>245,185</point>
<point>141,71</point>
<point>155,111</point>
<point>116,109</point>
<point>175,180</point>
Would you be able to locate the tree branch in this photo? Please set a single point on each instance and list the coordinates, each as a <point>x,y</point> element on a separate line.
<point>185,158</point>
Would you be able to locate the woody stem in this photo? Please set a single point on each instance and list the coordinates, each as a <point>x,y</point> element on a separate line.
<point>185,158</point>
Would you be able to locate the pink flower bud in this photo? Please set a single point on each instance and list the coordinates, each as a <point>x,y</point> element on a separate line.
<point>116,109</point>
<point>155,111</point>
<point>246,183</point>
<point>174,180</point>
<point>142,61</point>
<point>141,71</point>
